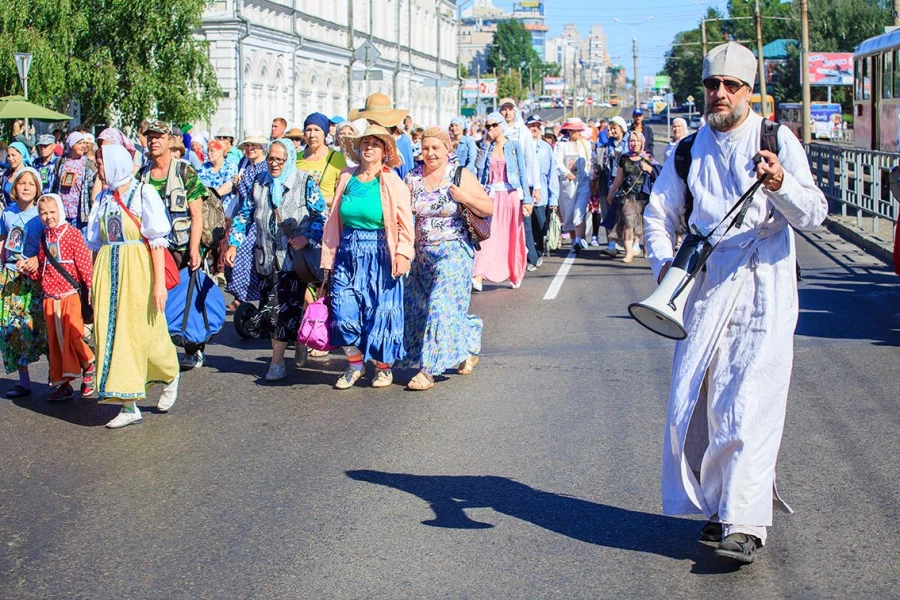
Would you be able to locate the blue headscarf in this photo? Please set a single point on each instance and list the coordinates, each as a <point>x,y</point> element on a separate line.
<point>461,121</point>
<point>496,117</point>
<point>21,149</point>
<point>276,184</point>
<point>319,120</point>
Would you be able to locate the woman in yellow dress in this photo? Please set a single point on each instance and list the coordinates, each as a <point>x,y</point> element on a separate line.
<point>129,292</point>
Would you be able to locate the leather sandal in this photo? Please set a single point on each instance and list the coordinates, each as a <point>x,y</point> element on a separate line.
<point>711,532</point>
<point>738,547</point>
<point>420,382</point>
<point>467,366</point>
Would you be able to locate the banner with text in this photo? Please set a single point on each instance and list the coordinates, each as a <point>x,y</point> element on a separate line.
<point>831,68</point>
<point>554,84</point>
<point>472,89</point>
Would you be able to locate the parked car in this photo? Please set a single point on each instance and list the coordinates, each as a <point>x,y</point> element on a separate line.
<point>695,122</point>
<point>605,105</point>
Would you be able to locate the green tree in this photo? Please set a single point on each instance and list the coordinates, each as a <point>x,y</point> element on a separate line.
<point>512,48</point>
<point>127,58</point>
<point>508,86</point>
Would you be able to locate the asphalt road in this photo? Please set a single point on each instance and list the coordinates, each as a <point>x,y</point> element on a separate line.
<point>536,477</point>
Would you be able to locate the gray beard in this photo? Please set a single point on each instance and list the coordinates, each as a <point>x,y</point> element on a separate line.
<point>724,122</point>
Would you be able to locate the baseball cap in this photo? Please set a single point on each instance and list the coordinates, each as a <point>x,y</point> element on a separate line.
<point>337,120</point>
<point>533,120</point>
<point>637,111</point>
<point>160,127</point>
<point>46,140</point>
<point>504,101</point>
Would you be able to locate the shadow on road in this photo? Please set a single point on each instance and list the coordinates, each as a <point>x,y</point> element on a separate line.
<point>78,411</point>
<point>600,524</point>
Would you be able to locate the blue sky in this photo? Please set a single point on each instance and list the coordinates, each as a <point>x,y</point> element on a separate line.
<point>654,37</point>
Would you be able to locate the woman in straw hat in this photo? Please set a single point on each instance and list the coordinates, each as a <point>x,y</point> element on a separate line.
<point>379,111</point>
<point>501,169</point>
<point>367,247</point>
<point>439,332</point>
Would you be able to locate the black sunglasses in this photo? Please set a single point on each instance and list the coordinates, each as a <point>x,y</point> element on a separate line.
<point>492,125</point>
<point>731,85</point>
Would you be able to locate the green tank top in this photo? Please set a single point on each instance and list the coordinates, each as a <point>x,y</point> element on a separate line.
<point>361,205</point>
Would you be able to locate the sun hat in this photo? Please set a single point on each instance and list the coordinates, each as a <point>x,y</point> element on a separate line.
<point>253,137</point>
<point>504,101</point>
<point>378,108</point>
<point>573,124</point>
<point>225,132</point>
<point>294,133</point>
<point>620,122</point>
<point>350,145</point>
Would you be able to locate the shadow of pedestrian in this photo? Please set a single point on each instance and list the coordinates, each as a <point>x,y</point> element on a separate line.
<point>599,524</point>
<point>78,411</point>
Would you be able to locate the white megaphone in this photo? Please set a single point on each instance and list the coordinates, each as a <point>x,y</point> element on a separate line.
<point>663,311</point>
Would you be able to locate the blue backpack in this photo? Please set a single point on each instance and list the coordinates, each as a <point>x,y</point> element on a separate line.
<point>195,309</point>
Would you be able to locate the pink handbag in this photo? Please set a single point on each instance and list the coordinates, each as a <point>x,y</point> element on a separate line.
<point>315,326</point>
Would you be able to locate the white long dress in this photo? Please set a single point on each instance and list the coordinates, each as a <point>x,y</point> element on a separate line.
<point>573,195</point>
<point>740,316</point>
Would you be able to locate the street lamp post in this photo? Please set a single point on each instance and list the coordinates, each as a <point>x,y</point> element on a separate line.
<point>23,64</point>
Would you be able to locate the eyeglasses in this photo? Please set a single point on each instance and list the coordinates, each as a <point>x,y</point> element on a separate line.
<point>275,161</point>
<point>492,125</point>
<point>731,85</point>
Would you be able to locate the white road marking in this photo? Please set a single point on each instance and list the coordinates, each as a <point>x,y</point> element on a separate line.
<point>556,285</point>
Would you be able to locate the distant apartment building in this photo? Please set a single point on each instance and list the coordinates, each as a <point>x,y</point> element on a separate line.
<point>583,61</point>
<point>479,23</point>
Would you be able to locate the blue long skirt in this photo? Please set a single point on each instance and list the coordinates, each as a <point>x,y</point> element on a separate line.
<point>367,302</point>
<point>243,281</point>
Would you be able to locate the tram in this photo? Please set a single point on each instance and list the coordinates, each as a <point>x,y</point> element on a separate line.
<point>876,93</point>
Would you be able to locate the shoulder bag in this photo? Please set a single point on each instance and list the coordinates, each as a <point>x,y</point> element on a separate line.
<point>87,311</point>
<point>172,275</point>
<point>479,228</point>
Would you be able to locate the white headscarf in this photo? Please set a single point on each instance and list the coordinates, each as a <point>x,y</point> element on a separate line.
<point>59,207</point>
<point>117,165</point>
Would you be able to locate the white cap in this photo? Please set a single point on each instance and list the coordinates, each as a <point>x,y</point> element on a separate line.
<point>731,60</point>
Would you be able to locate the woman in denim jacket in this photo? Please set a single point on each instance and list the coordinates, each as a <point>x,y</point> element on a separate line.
<point>501,170</point>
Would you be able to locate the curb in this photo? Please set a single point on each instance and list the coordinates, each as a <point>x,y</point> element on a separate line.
<point>874,246</point>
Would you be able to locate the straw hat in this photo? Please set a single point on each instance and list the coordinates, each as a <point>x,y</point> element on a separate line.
<point>378,108</point>
<point>254,138</point>
<point>350,145</point>
<point>294,134</point>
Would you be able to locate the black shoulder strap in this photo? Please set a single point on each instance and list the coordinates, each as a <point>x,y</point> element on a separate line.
<point>59,268</point>
<point>683,167</point>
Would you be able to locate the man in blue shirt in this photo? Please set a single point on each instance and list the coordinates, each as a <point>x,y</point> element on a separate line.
<point>548,183</point>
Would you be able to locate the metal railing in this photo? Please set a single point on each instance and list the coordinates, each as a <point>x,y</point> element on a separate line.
<point>855,181</point>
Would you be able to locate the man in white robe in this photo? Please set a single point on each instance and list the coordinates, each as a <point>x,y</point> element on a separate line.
<point>731,375</point>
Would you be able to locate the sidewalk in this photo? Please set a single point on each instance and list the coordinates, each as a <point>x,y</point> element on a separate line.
<point>878,243</point>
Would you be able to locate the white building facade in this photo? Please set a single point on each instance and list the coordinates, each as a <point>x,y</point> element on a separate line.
<point>283,58</point>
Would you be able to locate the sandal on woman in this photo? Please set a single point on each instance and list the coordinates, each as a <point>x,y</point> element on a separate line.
<point>467,366</point>
<point>234,305</point>
<point>383,378</point>
<point>420,382</point>
<point>61,393</point>
<point>318,353</point>
<point>348,378</point>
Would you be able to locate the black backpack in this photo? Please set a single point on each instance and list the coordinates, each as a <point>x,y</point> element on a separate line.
<point>768,135</point>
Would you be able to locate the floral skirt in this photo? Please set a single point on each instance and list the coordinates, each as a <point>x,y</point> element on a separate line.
<point>366,300</point>
<point>439,331</point>
<point>631,216</point>
<point>243,282</point>
<point>23,332</point>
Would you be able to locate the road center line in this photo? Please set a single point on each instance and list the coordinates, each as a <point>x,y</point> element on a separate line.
<point>556,285</point>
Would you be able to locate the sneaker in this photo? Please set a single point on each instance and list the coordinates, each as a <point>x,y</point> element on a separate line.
<point>738,547</point>
<point>276,372</point>
<point>531,268</point>
<point>125,418</point>
<point>583,243</point>
<point>383,378</point>
<point>610,249</point>
<point>192,361</point>
<point>540,261</point>
<point>514,286</point>
<point>169,395</point>
<point>350,376</point>
<point>87,382</point>
<point>301,353</point>
<point>62,393</point>
<point>476,285</point>
<point>595,241</point>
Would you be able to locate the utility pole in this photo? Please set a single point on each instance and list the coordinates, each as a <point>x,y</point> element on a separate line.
<point>703,35</point>
<point>804,67</point>
<point>637,94</point>
<point>896,14</point>
<point>764,106</point>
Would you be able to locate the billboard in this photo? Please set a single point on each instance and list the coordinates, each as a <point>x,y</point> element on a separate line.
<point>485,87</point>
<point>554,84</point>
<point>831,68</point>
